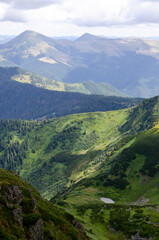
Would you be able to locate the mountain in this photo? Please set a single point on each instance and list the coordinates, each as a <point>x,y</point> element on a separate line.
<point>26,215</point>
<point>24,76</point>
<point>130,65</point>
<point>35,52</point>
<point>24,101</point>
<point>78,159</point>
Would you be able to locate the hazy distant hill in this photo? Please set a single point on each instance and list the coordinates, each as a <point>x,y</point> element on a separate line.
<point>5,38</point>
<point>101,88</point>
<point>130,65</point>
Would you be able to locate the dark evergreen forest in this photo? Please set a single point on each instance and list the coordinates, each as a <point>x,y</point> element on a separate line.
<point>24,101</point>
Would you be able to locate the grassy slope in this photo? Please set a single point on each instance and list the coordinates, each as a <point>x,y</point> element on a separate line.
<point>65,150</point>
<point>140,153</point>
<point>85,87</point>
<point>140,196</point>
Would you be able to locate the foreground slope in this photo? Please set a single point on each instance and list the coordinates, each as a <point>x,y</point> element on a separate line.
<point>26,215</point>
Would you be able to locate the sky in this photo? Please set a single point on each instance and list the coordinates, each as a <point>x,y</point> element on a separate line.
<point>118,18</point>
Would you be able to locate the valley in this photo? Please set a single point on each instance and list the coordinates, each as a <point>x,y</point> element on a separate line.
<point>76,160</point>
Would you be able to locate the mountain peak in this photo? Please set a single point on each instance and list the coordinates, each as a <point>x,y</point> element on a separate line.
<point>29,32</point>
<point>87,36</point>
<point>28,36</point>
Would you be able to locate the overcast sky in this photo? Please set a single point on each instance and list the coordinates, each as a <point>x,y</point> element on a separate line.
<point>75,17</point>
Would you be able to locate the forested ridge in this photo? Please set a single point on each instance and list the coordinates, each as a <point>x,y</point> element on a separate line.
<point>24,101</point>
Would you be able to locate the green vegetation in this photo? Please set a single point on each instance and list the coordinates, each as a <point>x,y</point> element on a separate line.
<point>77,159</point>
<point>113,221</point>
<point>24,101</point>
<point>54,154</point>
<point>105,89</point>
<point>25,215</point>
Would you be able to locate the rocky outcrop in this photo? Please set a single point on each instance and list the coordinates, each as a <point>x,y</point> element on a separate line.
<point>25,215</point>
<point>78,225</point>
<point>14,198</point>
<point>18,215</point>
<point>36,231</point>
<point>13,195</point>
<point>137,237</point>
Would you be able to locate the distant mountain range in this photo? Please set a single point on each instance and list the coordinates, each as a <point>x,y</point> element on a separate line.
<point>130,65</point>
<point>6,38</point>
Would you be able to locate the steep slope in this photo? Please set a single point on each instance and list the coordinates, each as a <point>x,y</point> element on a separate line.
<point>130,167</point>
<point>130,65</point>
<point>56,153</point>
<point>63,151</point>
<point>18,100</point>
<point>129,176</point>
<point>26,215</point>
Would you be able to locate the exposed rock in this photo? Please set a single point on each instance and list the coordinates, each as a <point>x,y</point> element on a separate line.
<point>13,195</point>
<point>18,215</point>
<point>36,231</point>
<point>137,237</point>
<point>142,201</point>
<point>34,203</point>
<point>78,225</point>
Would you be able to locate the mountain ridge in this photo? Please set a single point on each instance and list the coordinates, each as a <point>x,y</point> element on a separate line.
<point>23,76</point>
<point>25,101</point>
<point>130,65</point>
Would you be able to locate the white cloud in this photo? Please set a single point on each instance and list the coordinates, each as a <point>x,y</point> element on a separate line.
<point>29,4</point>
<point>13,15</point>
<point>97,13</point>
<point>80,15</point>
<point>112,13</point>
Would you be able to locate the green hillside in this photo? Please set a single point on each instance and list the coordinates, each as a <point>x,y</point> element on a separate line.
<point>26,215</point>
<point>25,101</point>
<point>130,178</point>
<point>105,89</point>
<point>78,159</point>
<point>53,154</point>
